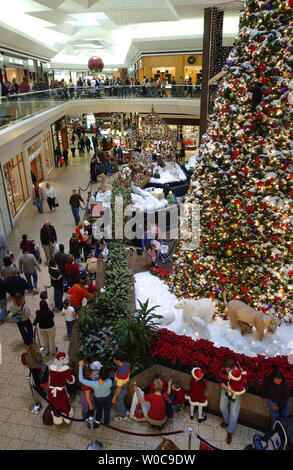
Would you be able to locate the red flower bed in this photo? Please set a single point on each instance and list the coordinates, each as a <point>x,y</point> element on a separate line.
<point>161,273</point>
<point>184,352</point>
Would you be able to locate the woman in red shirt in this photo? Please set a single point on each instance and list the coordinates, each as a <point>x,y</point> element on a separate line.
<point>72,272</point>
<point>78,293</point>
<point>157,412</point>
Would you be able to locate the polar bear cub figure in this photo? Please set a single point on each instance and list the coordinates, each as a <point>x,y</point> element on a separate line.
<point>202,308</point>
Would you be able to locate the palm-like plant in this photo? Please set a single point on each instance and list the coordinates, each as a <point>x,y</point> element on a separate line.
<point>136,334</point>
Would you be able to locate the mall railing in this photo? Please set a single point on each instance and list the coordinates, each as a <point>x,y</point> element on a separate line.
<point>15,108</point>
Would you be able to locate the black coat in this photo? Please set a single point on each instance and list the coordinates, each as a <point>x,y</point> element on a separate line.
<point>48,235</point>
<point>74,248</point>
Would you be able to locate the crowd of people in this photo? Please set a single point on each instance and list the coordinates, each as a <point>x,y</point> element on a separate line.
<point>97,87</point>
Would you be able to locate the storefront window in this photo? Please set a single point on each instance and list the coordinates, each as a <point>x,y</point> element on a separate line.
<point>35,159</point>
<point>49,159</point>
<point>16,183</point>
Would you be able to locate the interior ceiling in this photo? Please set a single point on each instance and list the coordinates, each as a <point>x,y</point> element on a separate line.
<point>116,30</point>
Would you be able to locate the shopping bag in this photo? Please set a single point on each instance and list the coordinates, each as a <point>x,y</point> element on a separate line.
<point>47,416</point>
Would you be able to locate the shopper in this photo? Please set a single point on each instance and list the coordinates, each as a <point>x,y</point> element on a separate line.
<point>65,156</point>
<point>29,266</point>
<point>74,247</point>
<point>38,197</point>
<point>35,363</point>
<point>48,238</point>
<point>72,272</point>
<point>61,258</point>
<point>107,158</point>
<point>230,410</point>
<point>156,416</point>
<point>177,397</point>
<point>72,148</point>
<point>45,320</point>
<point>15,284</point>
<point>3,248</point>
<point>29,243</point>
<point>3,301</point>
<point>74,201</point>
<point>102,390</point>
<point>24,86</point>
<point>21,316</point>
<point>87,397</point>
<point>121,380</point>
<point>276,394</point>
<point>78,292</point>
<point>57,283</point>
<point>51,196</point>
<point>70,316</point>
<point>7,267</point>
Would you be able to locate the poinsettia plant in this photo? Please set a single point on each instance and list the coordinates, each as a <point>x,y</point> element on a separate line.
<point>183,353</point>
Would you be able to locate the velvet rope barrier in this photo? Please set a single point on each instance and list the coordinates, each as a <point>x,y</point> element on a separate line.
<point>81,420</point>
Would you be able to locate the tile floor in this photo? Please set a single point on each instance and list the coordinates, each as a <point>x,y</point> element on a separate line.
<point>21,429</point>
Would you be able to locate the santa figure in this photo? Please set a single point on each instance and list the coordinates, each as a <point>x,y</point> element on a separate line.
<point>59,375</point>
<point>237,378</point>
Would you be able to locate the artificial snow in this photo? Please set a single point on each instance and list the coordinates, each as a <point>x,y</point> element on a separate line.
<point>192,161</point>
<point>172,173</point>
<point>151,287</point>
<point>146,203</point>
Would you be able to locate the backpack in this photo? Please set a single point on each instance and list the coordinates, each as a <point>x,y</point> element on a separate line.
<point>91,265</point>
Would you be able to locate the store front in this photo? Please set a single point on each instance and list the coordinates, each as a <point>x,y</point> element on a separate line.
<point>59,134</point>
<point>16,183</point>
<point>48,150</point>
<point>34,153</point>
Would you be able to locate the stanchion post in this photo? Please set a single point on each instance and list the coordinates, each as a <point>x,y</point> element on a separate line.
<point>190,432</point>
<point>94,445</point>
<point>36,406</point>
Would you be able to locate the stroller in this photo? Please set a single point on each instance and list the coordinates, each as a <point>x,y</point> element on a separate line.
<point>163,250</point>
<point>279,438</point>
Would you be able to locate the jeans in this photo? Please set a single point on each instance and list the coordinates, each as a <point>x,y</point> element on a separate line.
<point>69,326</point>
<point>26,331</point>
<point>36,377</point>
<point>4,311</point>
<point>29,277</point>
<point>75,212</point>
<point>103,403</point>
<point>120,405</point>
<point>2,254</point>
<point>58,297</point>
<point>39,204</point>
<point>108,168</point>
<point>230,415</point>
<point>282,412</point>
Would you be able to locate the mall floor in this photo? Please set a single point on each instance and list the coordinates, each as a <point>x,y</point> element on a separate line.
<point>21,429</point>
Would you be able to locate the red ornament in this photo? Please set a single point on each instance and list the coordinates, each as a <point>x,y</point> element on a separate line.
<point>95,64</point>
<point>262,68</point>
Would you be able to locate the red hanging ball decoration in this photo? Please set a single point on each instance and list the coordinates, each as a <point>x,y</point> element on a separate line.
<point>95,64</point>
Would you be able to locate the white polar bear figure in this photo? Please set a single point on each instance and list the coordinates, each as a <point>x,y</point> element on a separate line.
<point>168,317</point>
<point>202,308</point>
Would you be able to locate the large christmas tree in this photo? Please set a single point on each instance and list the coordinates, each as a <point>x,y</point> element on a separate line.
<point>242,178</point>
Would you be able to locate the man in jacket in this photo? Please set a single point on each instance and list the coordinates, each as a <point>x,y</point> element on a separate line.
<point>3,248</point>
<point>61,259</point>
<point>28,265</point>
<point>74,202</point>
<point>15,284</point>
<point>38,197</point>
<point>48,238</point>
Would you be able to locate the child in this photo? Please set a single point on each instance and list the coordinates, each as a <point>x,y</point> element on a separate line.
<point>236,379</point>
<point>153,254</point>
<point>164,384</point>
<point>95,367</point>
<point>70,316</point>
<point>177,398</point>
<point>196,395</point>
<point>87,397</point>
<point>44,296</point>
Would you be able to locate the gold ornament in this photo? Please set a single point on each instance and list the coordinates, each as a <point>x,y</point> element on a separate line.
<point>229,252</point>
<point>223,268</point>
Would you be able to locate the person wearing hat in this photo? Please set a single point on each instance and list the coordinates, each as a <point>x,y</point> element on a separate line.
<point>59,375</point>
<point>229,409</point>
<point>196,395</point>
<point>236,379</point>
